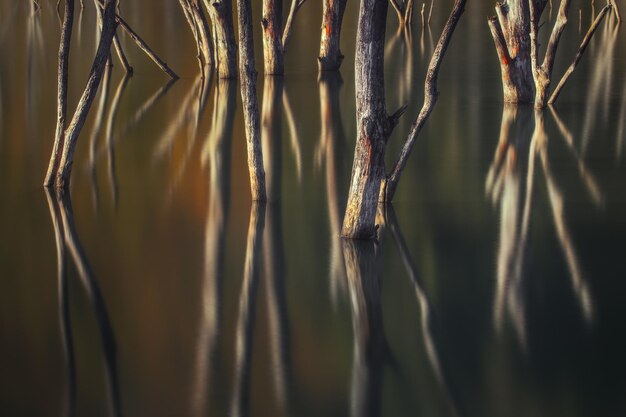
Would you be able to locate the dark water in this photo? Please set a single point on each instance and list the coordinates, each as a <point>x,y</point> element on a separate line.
<point>496,288</point>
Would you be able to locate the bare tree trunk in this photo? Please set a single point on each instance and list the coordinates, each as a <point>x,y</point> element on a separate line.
<point>73,131</point>
<point>221,13</point>
<point>369,184</point>
<point>272,21</point>
<point>374,125</point>
<point>247,75</point>
<point>201,33</point>
<point>330,57</point>
<point>64,58</point>
<point>510,29</point>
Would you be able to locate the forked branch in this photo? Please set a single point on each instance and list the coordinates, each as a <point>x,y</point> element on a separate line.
<point>389,186</point>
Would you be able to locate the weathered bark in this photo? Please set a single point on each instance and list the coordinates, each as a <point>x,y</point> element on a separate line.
<point>330,57</point>
<point>70,136</point>
<point>247,76</point>
<point>200,29</point>
<point>374,125</point>
<point>510,29</point>
<point>64,58</point>
<point>430,98</point>
<point>272,22</point>
<point>543,74</point>
<point>221,13</point>
<point>369,184</point>
<point>579,54</point>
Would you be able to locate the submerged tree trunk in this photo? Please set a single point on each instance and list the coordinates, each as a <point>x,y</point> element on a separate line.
<point>272,22</point>
<point>221,13</point>
<point>64,58</point>
<point>201,33</point>
<point>247,75</point>
<point>374,125</point>
<point>369,184</point>
<point>510,29</point>
<point>330,57</point>
<point>67,140</point>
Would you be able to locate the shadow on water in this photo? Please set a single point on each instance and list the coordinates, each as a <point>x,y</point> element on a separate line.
<point>68,246</point>
<point>510,184</point>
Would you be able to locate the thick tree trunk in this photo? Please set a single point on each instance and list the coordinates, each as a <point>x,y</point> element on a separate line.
<point>272,21</point>
<point>247,75</point>
<point>221,13</point>
<point>374,125</point>
<point>330,57</point>
<point>510,29</point>
<point>64,58</point>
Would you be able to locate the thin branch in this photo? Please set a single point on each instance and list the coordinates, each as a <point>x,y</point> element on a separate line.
<point>579,54</point>
<point>143,45</point>
<point>295,6</point>
<point>430,98</point>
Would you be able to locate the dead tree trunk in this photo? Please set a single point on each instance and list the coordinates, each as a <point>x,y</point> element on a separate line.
<point>247,76</point>
<point>404,11</point>
<point>272,22</point>
<point>369,184</point>
<point>67,141</point>
<point>64,58</point>
<point>221,13</point>
<point>330,57</point>
<point>374,125</point>
<point>275,37</point>
<point>201,33</point>
<point>510,29</point>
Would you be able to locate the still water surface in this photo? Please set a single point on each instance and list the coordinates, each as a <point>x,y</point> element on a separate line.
<point>495,289</point>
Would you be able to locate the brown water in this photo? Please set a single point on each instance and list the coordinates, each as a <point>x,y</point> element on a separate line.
<point>495,289</point>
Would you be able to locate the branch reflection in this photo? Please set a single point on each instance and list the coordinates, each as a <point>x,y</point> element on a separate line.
<point>510,183</point>
<point>327,153</point>
<point>217,153</point>
<point>66,238</point>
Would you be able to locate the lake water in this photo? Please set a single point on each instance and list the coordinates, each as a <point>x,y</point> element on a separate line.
<point>495,288</point>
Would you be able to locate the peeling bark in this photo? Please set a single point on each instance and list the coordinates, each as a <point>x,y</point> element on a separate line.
<point>330,57</point>
<point>510,29</point>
